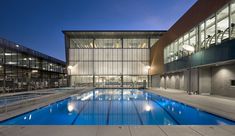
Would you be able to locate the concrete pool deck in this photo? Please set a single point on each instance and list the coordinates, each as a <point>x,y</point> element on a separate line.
<point>117,131</point>
<point>218,105</point>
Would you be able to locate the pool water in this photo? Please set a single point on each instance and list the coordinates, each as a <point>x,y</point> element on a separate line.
<point>117,107</point>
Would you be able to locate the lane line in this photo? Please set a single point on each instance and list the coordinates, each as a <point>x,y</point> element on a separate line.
<point>166,111</point>
<point>141,121</point>
<point>83,107</point>
<point>107,120</point>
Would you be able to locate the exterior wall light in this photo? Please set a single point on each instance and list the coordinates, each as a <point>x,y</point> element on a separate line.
<point>148,67</point>
<point>70,67</point>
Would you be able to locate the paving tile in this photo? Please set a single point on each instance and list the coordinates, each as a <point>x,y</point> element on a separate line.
<point>50,131</point>
<point>11,131</point>
<point>222,106</point>
<point>229,128</point>
<point>113,131</point>
<point>79,131</point>
<point>179,131</point>
<point>146,131</point>
<point>211,131</point>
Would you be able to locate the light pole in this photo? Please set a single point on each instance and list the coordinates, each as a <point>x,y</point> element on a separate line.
<point>69,69</point>
<point>189,49</point>
<point>148,68</point>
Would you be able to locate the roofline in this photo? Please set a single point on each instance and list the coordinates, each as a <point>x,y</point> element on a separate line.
<point>65,31</point>
<point>30,51</point>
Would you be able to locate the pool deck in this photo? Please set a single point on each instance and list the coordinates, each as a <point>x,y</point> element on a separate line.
<point>218,105</point>
<point>117,131</point>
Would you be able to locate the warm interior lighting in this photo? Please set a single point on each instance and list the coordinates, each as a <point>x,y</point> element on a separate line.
<point>34,71</point>
<point>188,48</point>
<point>91,44</point>
<point>7,54</point>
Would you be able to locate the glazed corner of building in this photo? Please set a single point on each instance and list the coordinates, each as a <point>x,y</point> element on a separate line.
<point>24,69</point>
<point>208,27</point>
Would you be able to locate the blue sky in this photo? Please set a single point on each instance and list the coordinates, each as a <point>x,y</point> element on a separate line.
<point>37,24</point>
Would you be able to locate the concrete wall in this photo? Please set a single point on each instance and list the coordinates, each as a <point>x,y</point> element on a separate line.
<point>162,82</point>
<point>221,79</point>
<point>155,81</point>
<point>181,80</point>
<point>215,80</point>
<point>194,80</point>
<point>173,81</point>
<point>205,80</point>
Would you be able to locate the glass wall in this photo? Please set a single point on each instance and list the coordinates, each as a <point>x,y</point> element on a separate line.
<point>216,29</point>
<point>21,71</point>
<point>110,62</point>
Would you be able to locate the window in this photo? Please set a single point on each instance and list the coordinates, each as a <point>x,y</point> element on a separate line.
<point>202,39</point>
<point>1,55</point>
<point>232,20</point>
<point>210,32</point>
<point>193,39</point>
<point>222,25</point>
<point>108,43</point>
<point>135,43</point>
<point>81,43</point>
<point>153,41</point>
<point>233,83</point>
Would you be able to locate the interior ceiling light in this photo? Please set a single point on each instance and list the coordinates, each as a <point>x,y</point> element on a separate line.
<point>188,48</point>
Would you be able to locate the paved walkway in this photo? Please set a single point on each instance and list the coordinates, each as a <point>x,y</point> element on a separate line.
<point>221,106</point>
<point>117,131</point>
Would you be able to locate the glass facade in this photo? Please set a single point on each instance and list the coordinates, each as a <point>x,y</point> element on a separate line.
<point>109,62</point>
<point>216,29</point>
<point>24,69</point>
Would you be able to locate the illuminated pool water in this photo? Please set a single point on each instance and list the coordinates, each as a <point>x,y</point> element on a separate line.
<point>117,107</point>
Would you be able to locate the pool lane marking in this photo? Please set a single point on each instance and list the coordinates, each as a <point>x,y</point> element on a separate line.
<point>83,107</point>
<point>107,120</point>
<point>138,114</point>
<point>166,112</point>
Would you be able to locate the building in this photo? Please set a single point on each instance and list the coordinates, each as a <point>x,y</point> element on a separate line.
<point>197,54</point>
<point>24,69</point>
<point>109,59</point>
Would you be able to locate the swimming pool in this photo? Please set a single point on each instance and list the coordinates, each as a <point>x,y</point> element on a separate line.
<point>117,107</point>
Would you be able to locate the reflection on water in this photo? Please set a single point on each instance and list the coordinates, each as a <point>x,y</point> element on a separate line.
<point>112,94</point>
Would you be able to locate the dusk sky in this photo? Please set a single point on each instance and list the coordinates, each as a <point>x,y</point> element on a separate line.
<point>37,24</point>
